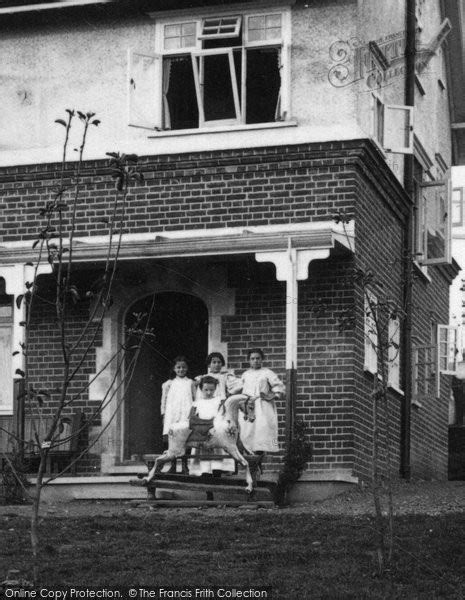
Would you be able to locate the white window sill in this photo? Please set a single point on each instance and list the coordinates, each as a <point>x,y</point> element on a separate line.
<point>396,389</point>
<point>417,403</point>
<point>223,129</point>
<point>368,371</point>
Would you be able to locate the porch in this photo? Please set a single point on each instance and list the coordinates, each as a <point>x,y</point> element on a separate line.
<point>212,290</point>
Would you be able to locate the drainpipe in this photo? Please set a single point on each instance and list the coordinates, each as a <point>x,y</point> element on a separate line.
<point>410,51</point>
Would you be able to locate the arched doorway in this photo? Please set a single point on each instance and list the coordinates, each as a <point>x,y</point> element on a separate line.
<point>180,326</point>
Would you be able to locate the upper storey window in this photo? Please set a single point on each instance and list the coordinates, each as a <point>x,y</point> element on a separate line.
<point>217,71</point>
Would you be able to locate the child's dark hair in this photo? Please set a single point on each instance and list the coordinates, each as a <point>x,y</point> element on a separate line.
<point>208,379</point>
<point>213,355</point>
<point>255,351</point>
<point>179,358</point>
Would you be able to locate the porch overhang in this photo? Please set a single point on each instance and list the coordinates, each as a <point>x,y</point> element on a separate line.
<point>320,235</point>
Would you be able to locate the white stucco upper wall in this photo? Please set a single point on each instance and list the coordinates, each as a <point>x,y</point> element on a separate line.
<point>84,65</point>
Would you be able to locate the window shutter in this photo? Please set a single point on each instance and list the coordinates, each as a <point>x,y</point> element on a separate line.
<point>394,353</point>
<point>371,337</point>
<point>398,129</point>
<point>435,215</point>
<point>144,90</point>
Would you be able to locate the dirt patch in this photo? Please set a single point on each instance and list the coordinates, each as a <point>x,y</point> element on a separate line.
<point>420,497</point>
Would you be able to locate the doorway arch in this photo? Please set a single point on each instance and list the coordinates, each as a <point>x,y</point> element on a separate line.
<point>179,324</point>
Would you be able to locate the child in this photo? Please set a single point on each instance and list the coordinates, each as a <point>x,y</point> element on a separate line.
<point>228,383</point>
<point>206,406</point>
<point>177,395</point>
<point>265,386</point>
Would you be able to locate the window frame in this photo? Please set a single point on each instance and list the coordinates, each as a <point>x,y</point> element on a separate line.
<point>283,44</point>
<point>198,80</point>
<point>219,36</point>
<point>430,387</point>
<point>459,223</point>
<point>385,112</point>
<point>450,331</point>
<point>422,230</point>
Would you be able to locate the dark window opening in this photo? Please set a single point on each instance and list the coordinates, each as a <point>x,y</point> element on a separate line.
<point>263,85</point>
<point>180,109</point>
<point>218,98</point>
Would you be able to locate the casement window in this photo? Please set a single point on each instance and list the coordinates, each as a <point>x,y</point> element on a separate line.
<point>394,353</point>
<point>447,349</point>
<point>425,375</point>
<point>457,207</point>
<point>429,362</point>
<point>392,126</point>
<point>434,212</point>
<point>370,334</point>
<point>216,71</point>
<point>6,349</point>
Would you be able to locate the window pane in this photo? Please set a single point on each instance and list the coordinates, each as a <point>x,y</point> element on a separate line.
<point>180,108</point>
<point>267,27</point>
<point>263,85</point>
<point>457,207</point>
<point>435,222</point>
<point>221,26</point>
<point>397,133</point>
<point>172,43</point>
<point>218,99</point>
<point>179,36</point>
<point>172,31</point>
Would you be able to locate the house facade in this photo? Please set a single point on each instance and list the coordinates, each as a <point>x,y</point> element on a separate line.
<point>285,146</point>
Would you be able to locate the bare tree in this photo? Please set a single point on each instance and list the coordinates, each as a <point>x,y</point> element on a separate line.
<point>48,409</point>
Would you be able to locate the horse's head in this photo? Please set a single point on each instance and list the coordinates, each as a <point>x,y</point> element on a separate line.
<point>249,409</point>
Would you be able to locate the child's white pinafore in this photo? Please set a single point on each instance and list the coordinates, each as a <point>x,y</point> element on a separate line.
<point>262,434</point>
<point>177,401</point>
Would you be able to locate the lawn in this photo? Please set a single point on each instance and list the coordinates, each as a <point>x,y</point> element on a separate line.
<point>298,555</point>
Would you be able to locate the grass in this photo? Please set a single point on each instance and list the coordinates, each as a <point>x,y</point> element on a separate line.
<point>299,555</point>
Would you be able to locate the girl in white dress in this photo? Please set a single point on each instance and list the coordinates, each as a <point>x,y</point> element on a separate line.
<point>177,395</point>
<point>228,383</point>
<point>265,386</point>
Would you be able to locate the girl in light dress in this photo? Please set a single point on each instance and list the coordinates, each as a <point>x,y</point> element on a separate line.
<point>228,383</point>
<point>263,384</point>
<point>207,407</point>
<point>176,399</point>
<point>177,395</point>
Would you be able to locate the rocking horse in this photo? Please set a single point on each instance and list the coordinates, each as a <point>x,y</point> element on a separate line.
<point>220,432</point>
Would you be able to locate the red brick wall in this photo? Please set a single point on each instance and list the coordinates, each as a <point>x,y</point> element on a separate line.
<point>429,432</point>
<point>233,188</point>
<point>263,186</point>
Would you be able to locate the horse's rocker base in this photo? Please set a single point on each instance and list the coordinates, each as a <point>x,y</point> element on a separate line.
<point>219,490</point>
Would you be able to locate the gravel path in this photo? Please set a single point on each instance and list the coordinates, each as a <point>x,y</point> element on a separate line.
<point>432,498</point>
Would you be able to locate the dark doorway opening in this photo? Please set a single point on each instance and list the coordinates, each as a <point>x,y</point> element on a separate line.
<point>180,326</point>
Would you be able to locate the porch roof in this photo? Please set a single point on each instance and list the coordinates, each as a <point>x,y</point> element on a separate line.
<point>200,242</point>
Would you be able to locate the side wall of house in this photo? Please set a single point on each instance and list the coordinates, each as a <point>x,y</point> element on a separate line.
<point>430,416</point>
